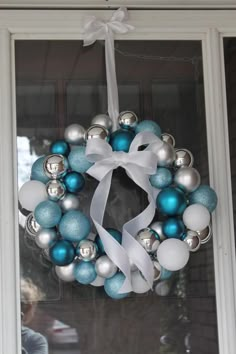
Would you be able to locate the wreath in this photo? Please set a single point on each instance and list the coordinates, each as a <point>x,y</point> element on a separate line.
<point>148,248</point>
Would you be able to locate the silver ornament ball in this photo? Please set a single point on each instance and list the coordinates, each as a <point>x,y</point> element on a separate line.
<point>168,138</point>
<point>45,238</point>
<point>87,250</point>
<point>166,155</point>
<point>205,235</point>
<point>75,134</point>
<point>102,119</point>
<point>97,132</point>
<point>127,120</point>
<point>105,268</point>
<point>187,178</point>
<point>31,225</point>
<point>66,273</point>
<point>192,240</point>
<point>55,190</point>
<point>184,158</point>
<point>149,239</point>
<point>69,202</point>
<point>157,227</point>
<point>55,166</point>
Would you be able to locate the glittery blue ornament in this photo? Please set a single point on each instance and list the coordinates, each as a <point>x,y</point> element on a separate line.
<point>74,182</point>
<point>47,214</point>
<point>148,126</point>
<point>113,285</point>
<point>165,274</point>
<point>204,195</point>
<point>78,160</point>
<point>114,233</point>
<point>173,228</point>
<point>162,178</point>
<point>171,201</point>
<point>85,273</point>
<point>62,253</point>
<point>37,171</point>
<point>121,139</point>
<point>60,147</point>
<point>74,226</point>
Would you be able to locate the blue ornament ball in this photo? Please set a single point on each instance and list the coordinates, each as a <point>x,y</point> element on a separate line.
<point>148,126</point>
<point>173,228</point>
<point>113,285</point>
<point>62,253</point>
<point>171,201</point>
<point>74,226</point>
<point>60,147</point>
<point>121,139</point>
<point>204,195</point>
<point>85,273</point>
<point>78,160</point>
<point>114,233</point>
<point>162,178</point>
<point>47,214</point>
<point>37,171</point>
<point>74,182</point>
<point>165,274</point>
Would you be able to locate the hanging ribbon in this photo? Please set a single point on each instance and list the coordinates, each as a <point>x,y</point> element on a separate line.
<point>138,165</point>
<point>95,29</point>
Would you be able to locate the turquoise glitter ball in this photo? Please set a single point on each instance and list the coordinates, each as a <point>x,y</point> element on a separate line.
<point>47,214</point>
<point>37,171</point>
<point>204,195</point>
<point>84,272</point>
<point>74,226</point>
<point>74,182</point>
<point>121,139</point>
<point>60,147</point>
<point>113,285</point>
<point>62,253</point>
<point>171,201</point>
<point>162,178</point>
<point>78,160</point>
<point>148,126</point>
<point>173,228</point>
<point>114,233</point>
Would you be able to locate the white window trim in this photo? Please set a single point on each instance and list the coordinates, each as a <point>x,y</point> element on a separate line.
<point>208,26</point>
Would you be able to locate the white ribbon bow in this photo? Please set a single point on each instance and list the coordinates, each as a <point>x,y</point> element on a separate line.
<point>138,165</point>
<point>95,29</point>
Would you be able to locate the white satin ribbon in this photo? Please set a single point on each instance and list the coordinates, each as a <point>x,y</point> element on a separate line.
<point>138,165</point>
<point>95,29</point>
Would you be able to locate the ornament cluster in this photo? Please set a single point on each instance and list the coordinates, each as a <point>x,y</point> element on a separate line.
<point>64,232</point>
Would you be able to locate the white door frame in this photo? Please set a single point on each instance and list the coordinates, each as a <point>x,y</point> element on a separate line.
<point>208,26</point>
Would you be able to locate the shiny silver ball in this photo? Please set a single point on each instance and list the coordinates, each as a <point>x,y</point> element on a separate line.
<point>97,132</point>
<point>157,227</point>
<point>75,134</point>
<point>102,119</point>
<point>168,138</point>
<point>66,273</point>
<point>105,267</point>
<point>127,120</point>
<point>69,202</point>
<point>187,178</point>
<point>45,238</point>
<point>55,190</point>
<point>184,158</point>
<point>149,239</point>
<point>55,166</point>
<point>157,270</point>
<point>166,155</point>
<point>193,240</point>
<point>31,225</point>
<point>205,235</point>
<point>87,250</point>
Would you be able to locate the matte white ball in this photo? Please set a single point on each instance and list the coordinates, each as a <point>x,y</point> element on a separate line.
<point>196,217</point>
<point>162,288</point>
<point>66,273</point>
<point>31,194</point>
<point>105,267</point>
<point>99,281</point>
<point>74,134</point>
<point>139,284</point>
<point>173,254</point>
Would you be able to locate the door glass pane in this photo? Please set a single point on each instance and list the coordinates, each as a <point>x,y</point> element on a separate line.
<point>60,83</point>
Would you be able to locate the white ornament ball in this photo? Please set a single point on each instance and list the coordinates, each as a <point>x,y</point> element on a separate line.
<point>31,194</point>
<point>196,217</point>
<point>162,288</point>
<point>139,284</point>
<point>99,281</point>
<point>173,254</point>
<point>66,273</point>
